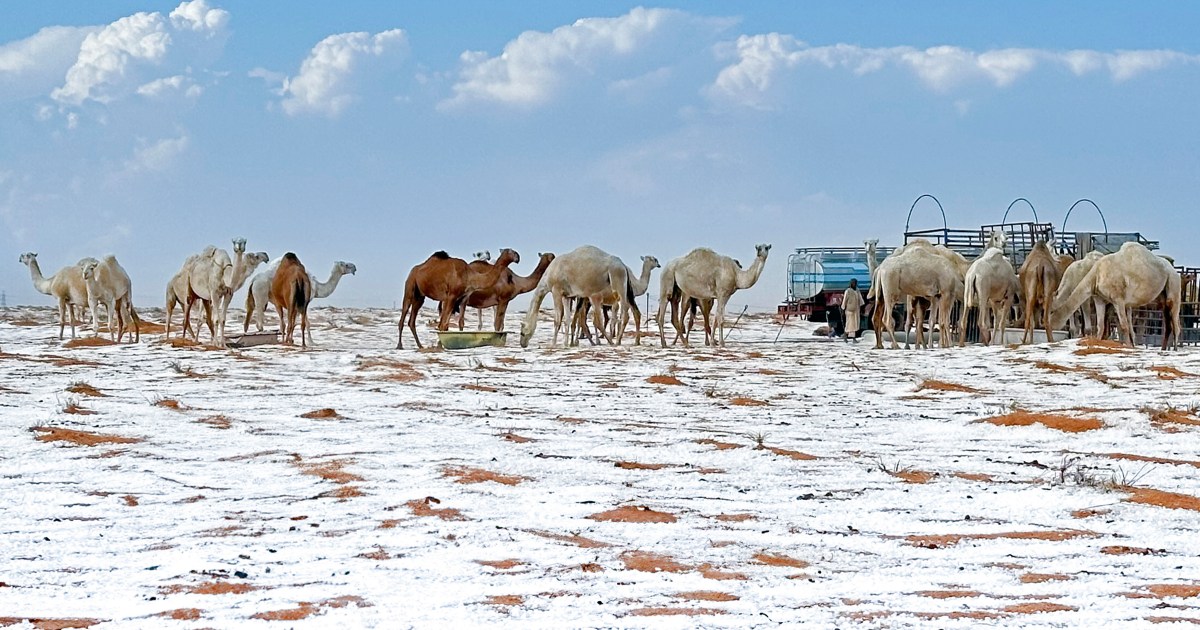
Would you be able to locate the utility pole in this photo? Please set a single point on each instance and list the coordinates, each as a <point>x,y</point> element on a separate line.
<point>3,299</point>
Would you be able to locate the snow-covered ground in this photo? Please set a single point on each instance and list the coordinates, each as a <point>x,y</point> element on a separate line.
<point>764,484</point>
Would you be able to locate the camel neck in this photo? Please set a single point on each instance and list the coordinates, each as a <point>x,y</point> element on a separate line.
<point>325,289</point>
<point>642,282</point>
<point>40,282</point>
<point>747,278</point>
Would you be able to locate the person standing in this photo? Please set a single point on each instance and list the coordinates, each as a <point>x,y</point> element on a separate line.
<point>852,304</point>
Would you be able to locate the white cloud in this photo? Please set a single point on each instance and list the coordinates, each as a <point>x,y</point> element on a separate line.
<point>325,84</point>
<point>31,66</point>
<point>177,84</point>
<point>534,65</point>
<point>155,156</point>
<point>759,60</point>
<point>114,60</point>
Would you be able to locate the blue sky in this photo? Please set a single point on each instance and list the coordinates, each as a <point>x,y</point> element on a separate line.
<point>379,132</point>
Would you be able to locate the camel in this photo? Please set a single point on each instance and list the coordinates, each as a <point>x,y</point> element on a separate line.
<point>918,272</point>
<point>177,291</point>
<point>450,281</point>
<point>108,282</point>
<point>638,286</point>
<point>990,285</point>
<point>212,280</point>
<point>586,272</point>
<point>1129,278</point>
<point>66,286</point>
<point>705,275</point>
<point>1071,278</point>
<point>258,295</point>
<point>291,291</point>
<point>669,293</point>
<point>508,286</point>
<point>1040,275</point>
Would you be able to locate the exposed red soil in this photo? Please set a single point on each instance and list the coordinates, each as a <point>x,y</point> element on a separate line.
<point>1029,608</point>
<point>1191,620</point>
<point>743,401</point>
<point>89,342</point>
<point>343,493</point>
<point>169,403</point>
<point>45,623</point>
<point>735,518</point>
<point>182,614</point>
<point>398,371</point>
<point>26,321</point>
<point>84,389</point>
<point>974,476</point>
<point>938,541</point>
<point>652,562</point>
<point>1170,419</point>
<point>1053,421</point>
<point>1154,460</point>
<point>464,474</point>
<point>637,466</point>
<point>154,328</point>
<point>770,372</point>
<point>634,514</point>
<point>948,594</point>
<point>306,609</point>
<point>913,476</point>
<point>1162,498</point>
<point>1038,578</point>
<point>780,560</point>
<point>379,553</point>
<point>327,413</point>
<point>329,471</point>
<point>943,386</point>
<point>1093,342</point>
<point>959,614</point>
<point>1122,550</point>
<point>1174,590</point>
<point>424,507</point>
<point>81,438</point>
<point>74,408</point>
<point>479,388</point>
<point>513,437</point>
<point>720,446</point>
<point>130,500</point>
<point>664,379</point>
<point>1083,352</point>
<point>505,600</point>
<point>1168,373</point>
<point>500,564</point>
<point>712,573</point>
<point>216,422</point>
<point>574,539</point>
<point>591,567</point>
<point>215,587</point>
<point>707,596</point>
<point>1088,513</point>
<point>796,455</point>
<point>663,611</point>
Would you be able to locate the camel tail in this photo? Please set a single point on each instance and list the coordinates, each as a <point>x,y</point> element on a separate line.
<point>249,302</point>
<point>1084,290</point>
<point>302,294</point>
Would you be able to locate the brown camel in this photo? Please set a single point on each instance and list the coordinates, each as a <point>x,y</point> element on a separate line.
<point>450,281</point>
<point>1040,274</point>
<point>291,291</point>
<point>508,286</point>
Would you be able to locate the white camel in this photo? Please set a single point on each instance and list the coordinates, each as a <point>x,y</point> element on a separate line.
<point>918,272</point>
<point>990,285</point>
<point>1071,279</point>
<point>703,274</point>
<point>177,292</point>
<point>258,296</point>
<point>585,272</point>
<point>212,279</point>
<point>108,283</point>
<point>637,287</point>
<point>1129,278</point>
<point>66,286</point>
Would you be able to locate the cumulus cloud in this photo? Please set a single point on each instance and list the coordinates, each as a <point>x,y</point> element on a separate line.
<point>135,50</point>
<point>534,65</point>
<point>155,156</point>
<point>760,60</point>
<point>178,84</point>
<point>32,66</point>
<point>328,77</point>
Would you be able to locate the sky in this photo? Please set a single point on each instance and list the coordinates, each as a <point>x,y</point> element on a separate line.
<point>377,133</point>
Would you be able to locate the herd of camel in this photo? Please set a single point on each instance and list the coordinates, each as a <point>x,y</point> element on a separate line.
<point>1052,288</point>
<point>919,275</point>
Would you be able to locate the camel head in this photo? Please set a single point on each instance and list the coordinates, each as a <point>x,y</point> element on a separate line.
<point>526,334</point>
<point>345,267</point>
<point>650,262</point>
<point>257,258</point>
<point>239,245</point>
<point>762,250</point>
<point>508,257</point>
<point>28,257</point>
<point>485,255</point>
<point>997,239</point>
<point>545,258</point>
<point>89,269</point>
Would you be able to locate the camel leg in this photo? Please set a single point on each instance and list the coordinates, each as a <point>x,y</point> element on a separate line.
<point>557,296</point>
<point>1047,302</point>
<point>187,314</point>
<point>662,312</point>
<point>304,327</point>
<point>62,318</point>
<point>499,313</point>
<point>984,324</point>
<point>1124,324</point>
<point>418,301</point>
<point>1029,318</point>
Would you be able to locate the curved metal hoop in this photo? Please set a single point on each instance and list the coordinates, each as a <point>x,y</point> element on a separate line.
<point>1014,202</point>
<point>945,226</point>
<point>1102,219</point>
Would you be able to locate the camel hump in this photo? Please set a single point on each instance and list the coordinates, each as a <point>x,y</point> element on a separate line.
<point>440,254</point>
<point>290,257</point>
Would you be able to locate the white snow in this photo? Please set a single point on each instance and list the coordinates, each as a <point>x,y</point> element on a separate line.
<point>121,532</point>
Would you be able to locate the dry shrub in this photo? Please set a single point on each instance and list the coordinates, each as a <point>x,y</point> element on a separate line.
<point>217,422</point>
<point>1088,513</point>
<point>913,476</point>
<point>182,614</point>
<point>938,541</point>
<point>513,437</point>
<point>327,413</point>
<point>735,518</point>
<point>779,560</point>
<point>1170,418</point>
<point>664,379</point>
<point>1021,418</point>
<point>379,553</point>
<point>1122,550</point>
<point>652,562</point>
<point>169,403</point>
<point>466,475</point>
<point>479,388</point>
<point>83,389</point>
<point>943,386</point>
<point>500,564</point>
<point>73,407</point>
<point>634,514</point>
<point>505,600</point>
<point>424,507</point>
<point>81,438</point>
<point>948,594</point>
<point>1168,373</point>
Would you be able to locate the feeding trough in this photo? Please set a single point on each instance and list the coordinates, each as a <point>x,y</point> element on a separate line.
<point>462,339</point>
